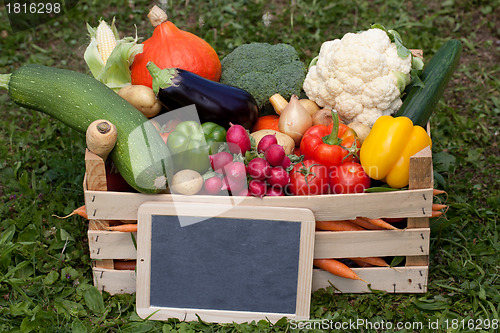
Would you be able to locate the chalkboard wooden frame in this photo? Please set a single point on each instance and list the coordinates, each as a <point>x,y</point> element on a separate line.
<point>146,215</point>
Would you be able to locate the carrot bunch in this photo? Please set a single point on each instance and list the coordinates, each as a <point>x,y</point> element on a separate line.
<point>439,209</point>
<point>357,224</point>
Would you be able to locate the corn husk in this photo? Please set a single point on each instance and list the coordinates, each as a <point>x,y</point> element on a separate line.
<point>115,72</point>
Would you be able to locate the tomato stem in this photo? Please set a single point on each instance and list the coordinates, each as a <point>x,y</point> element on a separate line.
<point>306,172</point>
<point>352,151</point>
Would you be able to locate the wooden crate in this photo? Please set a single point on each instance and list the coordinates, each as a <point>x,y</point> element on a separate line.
<point>106,247</point>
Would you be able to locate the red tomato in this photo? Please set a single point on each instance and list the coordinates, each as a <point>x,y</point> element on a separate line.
<point>349,178</point>
<point>309,178</point>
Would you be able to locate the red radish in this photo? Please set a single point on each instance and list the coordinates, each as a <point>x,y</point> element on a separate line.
<point>236,175</point>
<point>220,160</point>
<point>234,185</point>
<point>279,177</point>
<point>258,168</point>
<point>274,154</point>
<point>225,185</point>
<point>236,170</point>
<point>213,185</point>
<point>275,191</point>
<point>285,163</point>
<point>243,192</point>
<point>238,139</point>
<point>266,141</point>
<point>257,188</point>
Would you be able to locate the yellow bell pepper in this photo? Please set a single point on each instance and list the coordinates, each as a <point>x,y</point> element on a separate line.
<point>386,151</point>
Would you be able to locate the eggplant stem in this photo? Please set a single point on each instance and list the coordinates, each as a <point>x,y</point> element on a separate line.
<point>162,78</point>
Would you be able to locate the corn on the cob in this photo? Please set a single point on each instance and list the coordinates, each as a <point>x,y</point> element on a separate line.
<point>106,40</point>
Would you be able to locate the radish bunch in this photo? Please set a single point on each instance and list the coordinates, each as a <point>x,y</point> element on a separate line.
<point>230,173</point>
<point>268,174</point>
<point>265,172</point>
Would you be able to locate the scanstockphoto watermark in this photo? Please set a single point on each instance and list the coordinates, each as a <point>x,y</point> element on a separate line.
<point>27,14</point>
<point>355,325</point>
<point>471,324</point>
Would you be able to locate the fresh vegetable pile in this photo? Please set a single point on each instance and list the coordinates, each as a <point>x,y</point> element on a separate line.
<point>348,123</point>
<point>364,104</point>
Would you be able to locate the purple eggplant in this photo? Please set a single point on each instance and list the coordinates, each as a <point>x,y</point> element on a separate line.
<point>215,102</point>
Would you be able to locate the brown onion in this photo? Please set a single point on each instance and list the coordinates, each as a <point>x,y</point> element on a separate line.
<point>361,130</point>
<point>323,117</point>
<point>294,120</point>
<point>309,105</point>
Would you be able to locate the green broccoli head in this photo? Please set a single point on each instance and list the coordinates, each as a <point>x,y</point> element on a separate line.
<point>263,70</point>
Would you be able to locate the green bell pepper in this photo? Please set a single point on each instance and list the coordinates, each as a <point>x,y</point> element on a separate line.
<point>214,135</point>
<point>188,147</point>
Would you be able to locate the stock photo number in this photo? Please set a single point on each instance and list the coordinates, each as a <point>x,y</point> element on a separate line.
<point>28,14</point>
<point>33,8</point>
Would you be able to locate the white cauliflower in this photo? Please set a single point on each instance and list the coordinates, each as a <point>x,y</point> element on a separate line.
<point>361,76</point>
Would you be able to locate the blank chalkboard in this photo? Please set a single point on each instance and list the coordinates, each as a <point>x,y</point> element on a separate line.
<point>223,263</point>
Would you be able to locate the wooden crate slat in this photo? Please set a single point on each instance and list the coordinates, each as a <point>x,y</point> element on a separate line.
<point>111,244</point>
<point>392,280</point>
<point>114,281</point>
<point>376,243</point>
<point>417,203</point>
<point>408,242</point>
<point>421,176</point>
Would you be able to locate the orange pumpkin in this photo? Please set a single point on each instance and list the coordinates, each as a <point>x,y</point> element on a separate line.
<point>170,47</point>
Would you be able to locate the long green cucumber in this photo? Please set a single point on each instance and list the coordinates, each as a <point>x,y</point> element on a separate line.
<point>76,99</point>
<point>420,102</point>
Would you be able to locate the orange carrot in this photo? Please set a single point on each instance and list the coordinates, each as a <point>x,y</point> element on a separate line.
<point>378,222</point>
<point>372,261</point>
<point>436,206</point>
<point>79,211</point>
<point>438,192</point>
<point>337,268</point>
<point>127,227</point>
<point>437,213</point>
<point>340,225</point>
<point>124,265</point>
<point>366,224</point>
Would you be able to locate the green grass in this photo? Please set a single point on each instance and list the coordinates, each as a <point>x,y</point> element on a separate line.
<point>45,269</point>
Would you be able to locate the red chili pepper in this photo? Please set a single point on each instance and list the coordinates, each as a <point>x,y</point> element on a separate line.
<point>330,145</point>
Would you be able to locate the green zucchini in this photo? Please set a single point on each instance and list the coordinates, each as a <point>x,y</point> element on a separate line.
<point>420,101</point>
<point>140,154</point>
